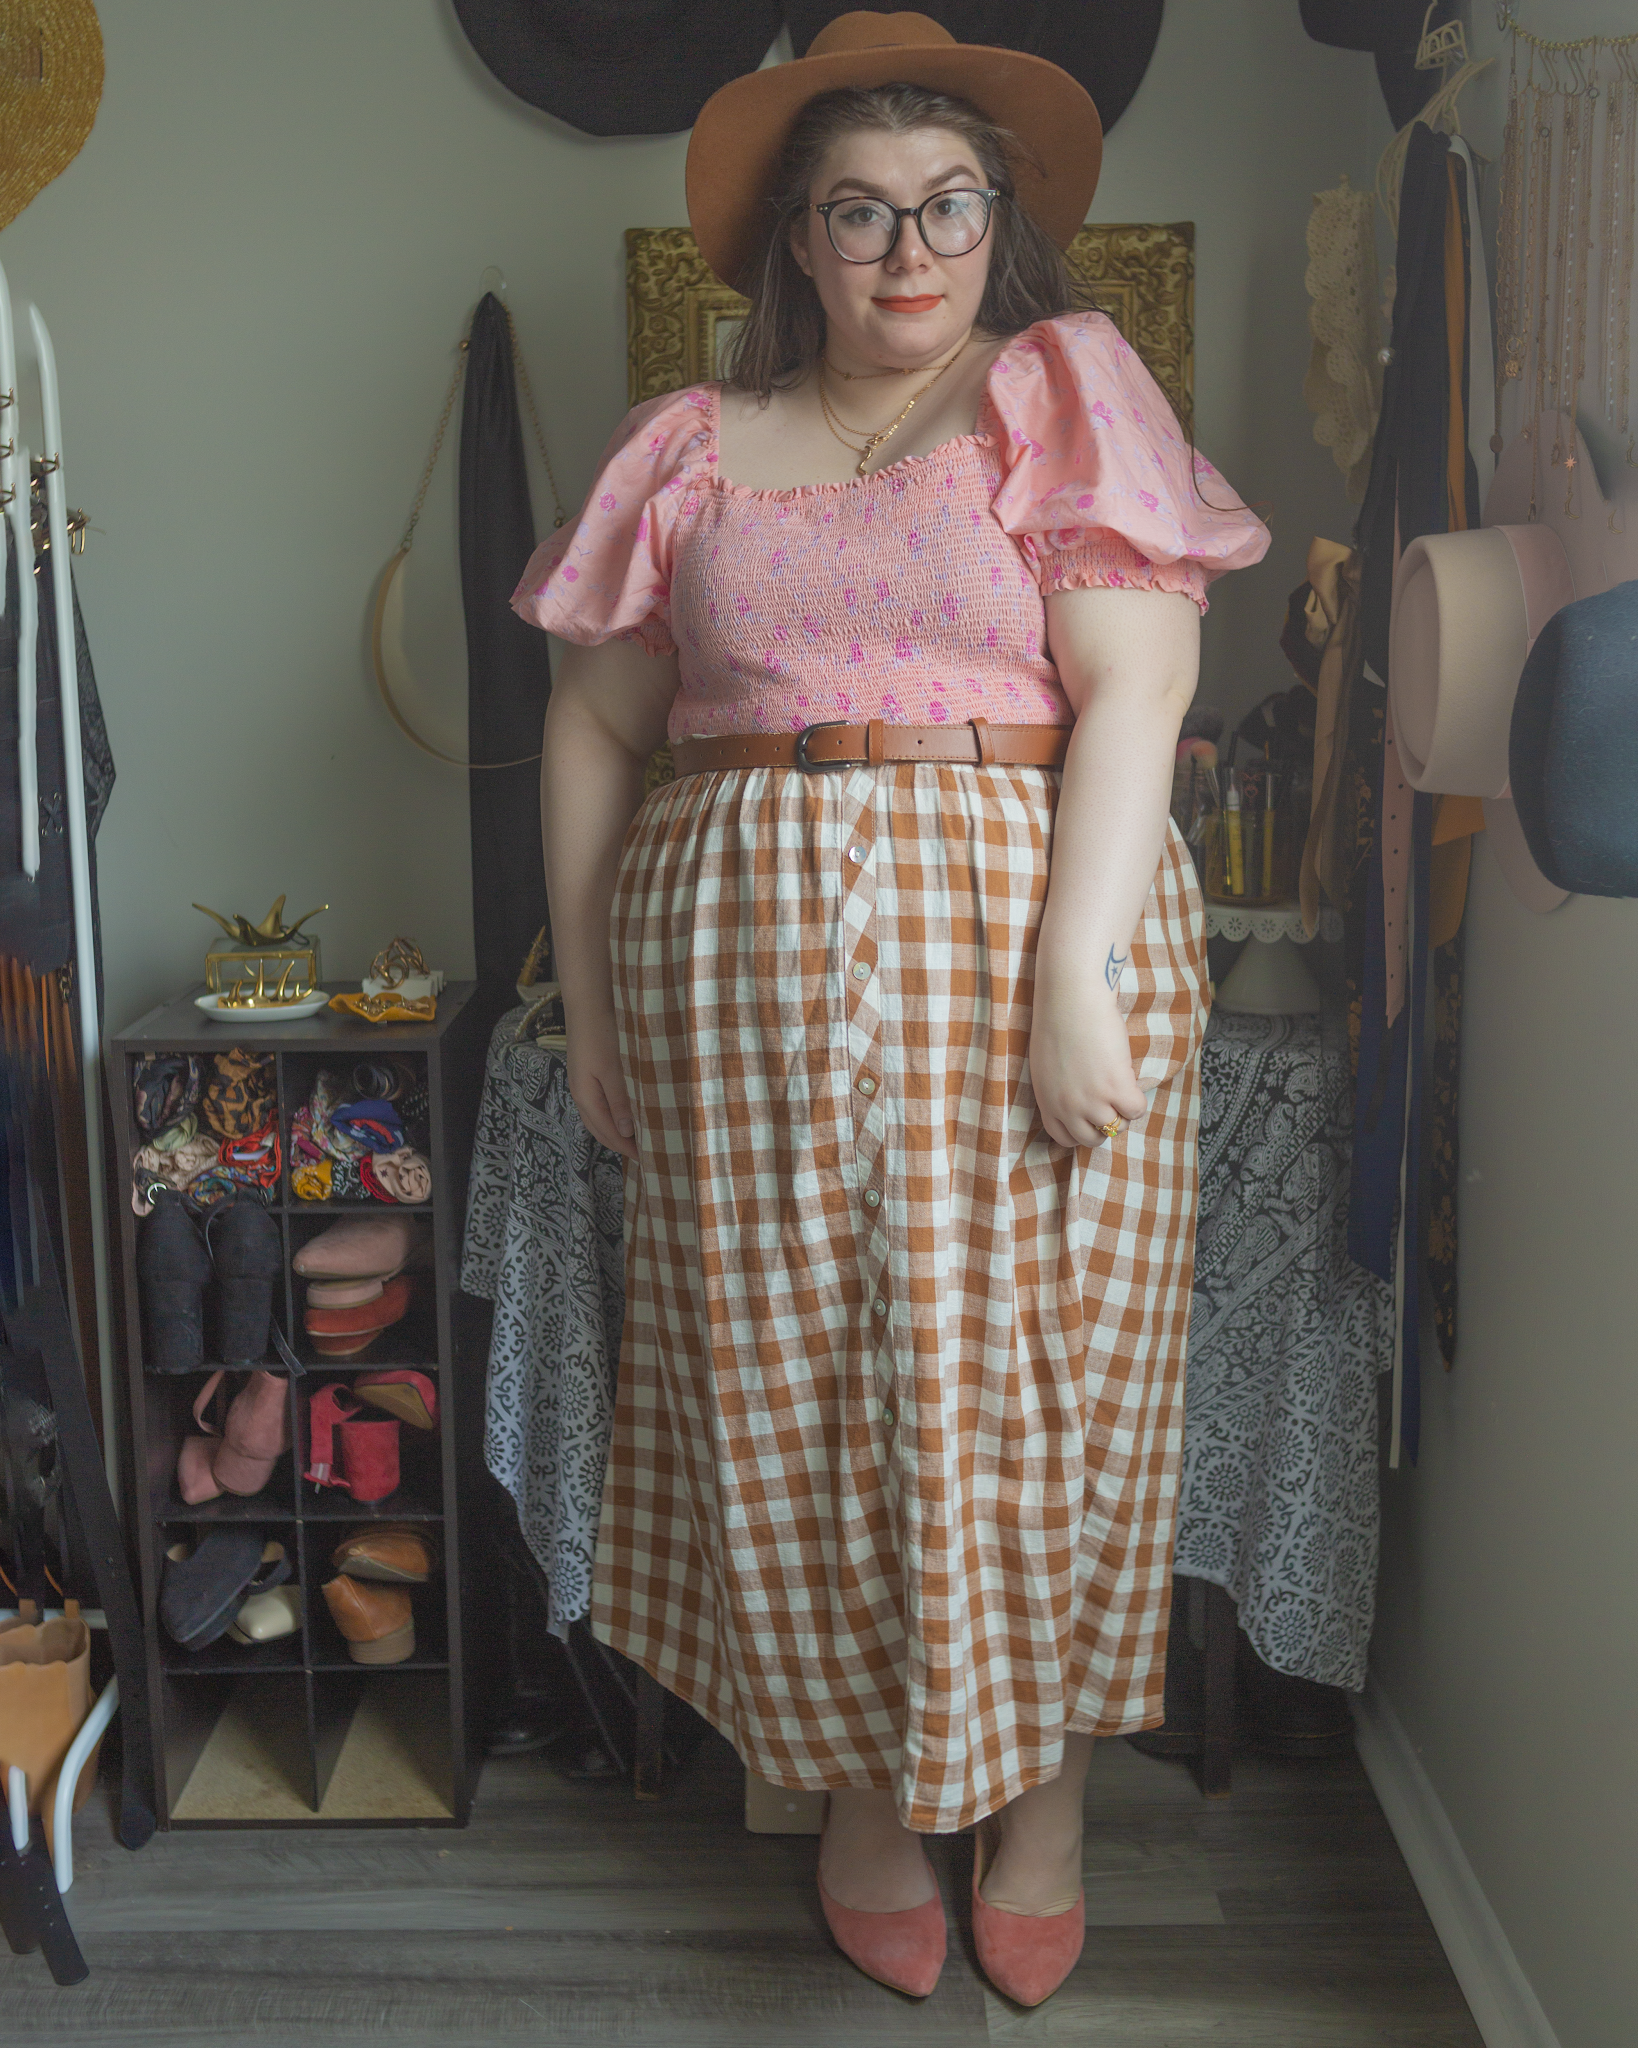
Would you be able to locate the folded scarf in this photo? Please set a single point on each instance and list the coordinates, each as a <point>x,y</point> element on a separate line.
<point>173,1135</point>
<point>253,1160</point>
<point>176,1168</point>
<point>239,1095</point>
<point>303,1145</point>
<point>400,1176</point>
<point>375,1125</point>
<point>310,1180</point>
<point>321,1107</point>
<point>164,1089</point>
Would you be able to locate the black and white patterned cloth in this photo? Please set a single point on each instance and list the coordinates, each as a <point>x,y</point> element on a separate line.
<point>1279,1492</point>
<point>1279,1488</point>
<point>545,1244</point>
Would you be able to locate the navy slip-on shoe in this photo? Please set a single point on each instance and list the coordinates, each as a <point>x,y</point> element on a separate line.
<point>204,1588</point>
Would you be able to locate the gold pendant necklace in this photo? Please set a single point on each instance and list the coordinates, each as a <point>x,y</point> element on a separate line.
<point>866,449</point>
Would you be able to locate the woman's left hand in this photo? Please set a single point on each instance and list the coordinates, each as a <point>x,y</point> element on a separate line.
<point>1080,1063</point>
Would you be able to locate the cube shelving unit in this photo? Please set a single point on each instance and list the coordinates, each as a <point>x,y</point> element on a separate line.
<point>294,1733</point>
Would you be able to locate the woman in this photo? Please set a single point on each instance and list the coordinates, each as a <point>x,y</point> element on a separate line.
<point>910,1221</point>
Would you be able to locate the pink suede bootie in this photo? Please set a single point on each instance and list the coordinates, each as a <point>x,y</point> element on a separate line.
<point>253,1439</point>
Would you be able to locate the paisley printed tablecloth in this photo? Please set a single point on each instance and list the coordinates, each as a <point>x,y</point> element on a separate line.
<point>545,1243</point>
<point>1279,1490</point>
<point>1279,1495</point>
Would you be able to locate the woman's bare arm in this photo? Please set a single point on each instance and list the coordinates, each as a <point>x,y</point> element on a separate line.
<point>607,714</point>
<point>1129,661</point>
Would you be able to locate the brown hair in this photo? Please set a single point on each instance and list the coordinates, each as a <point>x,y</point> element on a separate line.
<point>785,330</point>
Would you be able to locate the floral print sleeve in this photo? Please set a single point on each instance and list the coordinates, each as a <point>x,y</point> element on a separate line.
<point>608,573</point>
<point>1098,487</point>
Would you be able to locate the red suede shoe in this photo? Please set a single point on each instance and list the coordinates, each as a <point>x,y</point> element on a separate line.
<point>345,1452</point>
<point>904,1951</point>
<point>1026,1956</point>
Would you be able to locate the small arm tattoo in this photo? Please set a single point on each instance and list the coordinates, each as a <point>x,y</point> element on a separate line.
<point>1113,965</point>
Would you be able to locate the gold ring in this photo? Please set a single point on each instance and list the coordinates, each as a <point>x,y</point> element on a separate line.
<point>1112,1128</point>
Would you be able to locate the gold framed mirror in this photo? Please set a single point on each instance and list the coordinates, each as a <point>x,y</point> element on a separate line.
<point>680,320</point>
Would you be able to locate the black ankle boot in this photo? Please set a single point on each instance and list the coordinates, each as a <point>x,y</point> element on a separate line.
<point>248,1250</point>
<point>173,1266</point>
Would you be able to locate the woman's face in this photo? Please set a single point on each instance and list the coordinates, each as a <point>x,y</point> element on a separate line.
<point>912,306</point>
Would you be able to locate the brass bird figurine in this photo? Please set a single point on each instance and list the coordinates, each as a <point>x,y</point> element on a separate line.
<point>270,932</point>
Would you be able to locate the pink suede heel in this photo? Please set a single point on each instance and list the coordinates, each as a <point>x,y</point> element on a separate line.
<point>1026,1956</point>
<point>904,1951</point>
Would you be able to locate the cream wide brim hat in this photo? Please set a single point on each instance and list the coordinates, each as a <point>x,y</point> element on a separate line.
<point>734,151</point>
<point>1467,608</point>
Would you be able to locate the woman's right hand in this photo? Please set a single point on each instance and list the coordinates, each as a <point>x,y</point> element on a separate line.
<point>606,715</point>
<point>597,1083</point>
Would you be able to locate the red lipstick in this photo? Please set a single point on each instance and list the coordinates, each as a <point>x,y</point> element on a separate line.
<point>924,304</point>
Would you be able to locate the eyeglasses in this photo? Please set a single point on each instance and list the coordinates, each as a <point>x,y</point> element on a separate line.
<point>867,230</point>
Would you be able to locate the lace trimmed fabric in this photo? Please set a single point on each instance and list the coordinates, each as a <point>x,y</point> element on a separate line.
<point>1343,387</point>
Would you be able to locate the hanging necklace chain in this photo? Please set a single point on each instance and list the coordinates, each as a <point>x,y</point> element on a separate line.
<point>866,449</point>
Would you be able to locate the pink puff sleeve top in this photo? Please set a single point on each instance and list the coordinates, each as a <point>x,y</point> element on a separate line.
<point>916,595</point>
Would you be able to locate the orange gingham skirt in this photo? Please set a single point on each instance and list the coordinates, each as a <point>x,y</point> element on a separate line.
<point>891,1489</point>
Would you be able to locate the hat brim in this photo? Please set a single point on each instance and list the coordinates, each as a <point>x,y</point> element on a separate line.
<point>1570,502</point>
<point>1516,861</point>
<point>733,153</point>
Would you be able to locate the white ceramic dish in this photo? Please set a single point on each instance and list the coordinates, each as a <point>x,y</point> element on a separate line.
<point>309,1006</point>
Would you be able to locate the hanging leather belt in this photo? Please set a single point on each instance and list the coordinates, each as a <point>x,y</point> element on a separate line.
<point>835,745</point>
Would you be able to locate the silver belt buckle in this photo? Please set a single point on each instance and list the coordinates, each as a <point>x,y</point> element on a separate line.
<point>810,767</point>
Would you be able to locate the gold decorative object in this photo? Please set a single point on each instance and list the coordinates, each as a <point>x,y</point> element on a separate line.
<point>272,931</point>
<point>50,84</point>
<point>388,1007</point>
<point>398,961</point>
<point>264,949</point>
<point>400,987</point>
<point>244,996</point>
<point>543,1021</point>
<point>680,321</point>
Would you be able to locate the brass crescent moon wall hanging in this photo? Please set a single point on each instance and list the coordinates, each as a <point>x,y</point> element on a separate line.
<point>387,653</point>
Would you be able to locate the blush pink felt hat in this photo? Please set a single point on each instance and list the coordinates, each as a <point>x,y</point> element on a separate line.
<point>1467,608</point>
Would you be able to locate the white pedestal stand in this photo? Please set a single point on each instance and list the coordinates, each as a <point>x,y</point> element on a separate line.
<point>1270,978</point>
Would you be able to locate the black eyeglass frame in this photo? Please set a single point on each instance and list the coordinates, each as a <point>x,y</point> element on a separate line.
<point>988,193</point>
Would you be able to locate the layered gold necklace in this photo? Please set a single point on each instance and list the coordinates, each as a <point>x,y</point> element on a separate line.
<point>842,429</point>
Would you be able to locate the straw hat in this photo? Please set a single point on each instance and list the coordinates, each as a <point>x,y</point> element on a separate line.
<point>733,154</point>
<point>50,83</point>
<point>1467,610</point>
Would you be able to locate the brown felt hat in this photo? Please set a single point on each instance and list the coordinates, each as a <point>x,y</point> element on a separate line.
<point>733,153</point>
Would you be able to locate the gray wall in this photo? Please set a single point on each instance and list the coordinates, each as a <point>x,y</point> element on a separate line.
<point>255,274</point>
<point>1506,1635</point>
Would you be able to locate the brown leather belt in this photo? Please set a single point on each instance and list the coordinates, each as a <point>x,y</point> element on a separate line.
<point>835,745</point>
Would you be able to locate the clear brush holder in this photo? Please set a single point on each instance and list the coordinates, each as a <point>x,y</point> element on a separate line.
<point>1262,872</point>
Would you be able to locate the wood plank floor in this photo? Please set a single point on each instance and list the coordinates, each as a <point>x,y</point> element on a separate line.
<point>1281,1918</point>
